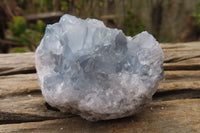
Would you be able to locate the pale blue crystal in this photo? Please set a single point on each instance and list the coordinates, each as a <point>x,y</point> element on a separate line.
<point>97,72</point>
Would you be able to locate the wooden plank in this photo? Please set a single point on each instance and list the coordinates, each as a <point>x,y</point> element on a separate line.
<point>28,83</point>
<point>180,80</point>
<point>181,66</point>
<point>188,59</point>
<point>24,108</point>
<point>22,92</point>
<point>180,55</point>
<point>17,63</point>
<point>179,85</point>
<point>180,51</point>
<point>180,116</point>
<point>175,105</point>
<point>181,46</point>
<point>18,84</point>
<point>183,75</point>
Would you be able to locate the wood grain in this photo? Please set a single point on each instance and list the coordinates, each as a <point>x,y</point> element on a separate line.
<point>18,84</point>
<point>22,92</point>
<point>17,63</point>
<point>177,116</point>
<point>175,106</point>
<point>181,56</point>
<point>28,83</point>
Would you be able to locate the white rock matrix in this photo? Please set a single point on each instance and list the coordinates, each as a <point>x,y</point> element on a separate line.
<point>97,72</point>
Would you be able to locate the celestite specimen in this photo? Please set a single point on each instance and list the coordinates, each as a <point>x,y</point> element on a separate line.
<point>97,72</point>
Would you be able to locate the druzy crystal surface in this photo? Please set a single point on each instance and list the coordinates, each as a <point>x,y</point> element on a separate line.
<point>97,72</point>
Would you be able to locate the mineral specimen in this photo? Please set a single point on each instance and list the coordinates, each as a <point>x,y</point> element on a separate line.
<point>97,72</point>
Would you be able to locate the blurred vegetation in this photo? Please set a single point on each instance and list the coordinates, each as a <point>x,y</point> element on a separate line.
<point>26,35</point>
<point>197,15</point>
<point>35,6</point>
<point>29,35</point>
<point>19,50</point>
<point>132,16</point>
<point>165,39</point>
<point>132,25</point>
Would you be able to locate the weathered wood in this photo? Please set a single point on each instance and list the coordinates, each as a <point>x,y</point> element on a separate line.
<point>23,94</point>
<point>178,116</point>
<point>27,108</point>
<point>180,80</point>
<point>18,84</point>
<point>189,59</point>
<point>176,56</point>
<point>182,85</point>
<point>181,66</point>
<point>183,75</point>
<point>181,46</point>
<point>175,106</point>
<point>28,83</point>
<point>23,89</point>
<point>17,63</point>
<point>181,51</point>
<point>176,59</point>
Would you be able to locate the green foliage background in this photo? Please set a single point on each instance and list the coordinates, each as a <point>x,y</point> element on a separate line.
<point>26,35</point>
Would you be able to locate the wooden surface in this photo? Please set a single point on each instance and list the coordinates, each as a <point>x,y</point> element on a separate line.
<point>175,107</point>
